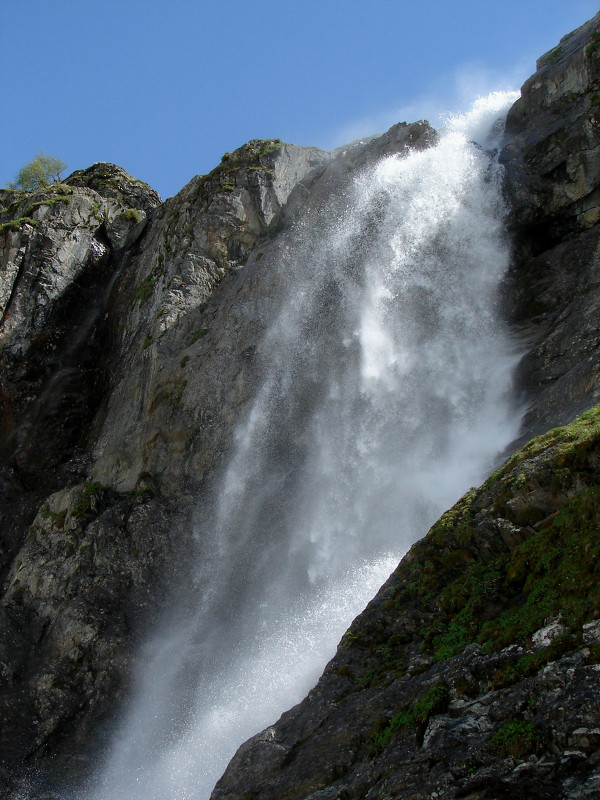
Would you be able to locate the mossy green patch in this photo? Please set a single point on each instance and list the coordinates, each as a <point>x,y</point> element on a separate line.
<point>479,589</point>
<point>517,738</point>
<point>553,55</point>
<point>531,663</point>
<point>197,335</point>
<point>130,213</point>
<point>433,701</point>
<point>17,224</point>
<point>555,571</point>
<point>145,289</point>
<point>594,44</point>
<point>86,499</point>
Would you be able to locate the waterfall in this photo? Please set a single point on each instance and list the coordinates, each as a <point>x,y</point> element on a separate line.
<point>386,394</point>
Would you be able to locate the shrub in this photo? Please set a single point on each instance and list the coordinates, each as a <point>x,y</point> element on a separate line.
<point>39,172</point>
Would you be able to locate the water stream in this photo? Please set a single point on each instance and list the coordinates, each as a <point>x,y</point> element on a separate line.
<point>387,394</point>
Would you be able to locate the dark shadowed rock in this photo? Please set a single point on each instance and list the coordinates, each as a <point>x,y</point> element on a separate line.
<point>552,179</point>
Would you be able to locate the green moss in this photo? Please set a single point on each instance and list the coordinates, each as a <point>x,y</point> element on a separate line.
<point>145,289</point>
<point>593,46</point>
<point>531,663</point>
<point>86,499</point>
<point>500,598</point>
<point>434,701</point>
<point>553,55</point>
<point>16,224</point>
<point>197,335</point>
<point>555,571</point>
<point>365,680</point>
<point>177,395</point>
<point>131,213</point>
<point>48,201</point>
<point>148,340</point>
<point>517,738</point>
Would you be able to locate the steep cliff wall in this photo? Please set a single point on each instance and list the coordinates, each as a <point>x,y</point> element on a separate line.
<point>552,162</point>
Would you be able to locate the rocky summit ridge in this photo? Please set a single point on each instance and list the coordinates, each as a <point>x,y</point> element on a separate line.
<point>131,333</point>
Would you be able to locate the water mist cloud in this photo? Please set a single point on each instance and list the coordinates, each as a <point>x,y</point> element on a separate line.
<point>452,95</point>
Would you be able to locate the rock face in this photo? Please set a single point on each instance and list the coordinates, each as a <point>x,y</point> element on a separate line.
<point>552,161</point>
<point>130,343</point>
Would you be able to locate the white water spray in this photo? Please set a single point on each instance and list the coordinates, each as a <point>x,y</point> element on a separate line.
<point>386,395</point>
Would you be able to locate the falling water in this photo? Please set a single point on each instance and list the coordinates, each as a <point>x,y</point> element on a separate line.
<point>386,394</point>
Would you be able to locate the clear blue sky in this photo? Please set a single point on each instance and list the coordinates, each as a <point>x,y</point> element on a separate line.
<point>164,88</point>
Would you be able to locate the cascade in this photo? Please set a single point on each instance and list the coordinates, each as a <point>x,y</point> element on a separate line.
<point>386,393</point>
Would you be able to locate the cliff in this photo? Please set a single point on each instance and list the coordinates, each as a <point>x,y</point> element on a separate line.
<point>130,337</point>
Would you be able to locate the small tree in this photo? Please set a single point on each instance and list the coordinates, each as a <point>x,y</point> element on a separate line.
<point>39,172</point>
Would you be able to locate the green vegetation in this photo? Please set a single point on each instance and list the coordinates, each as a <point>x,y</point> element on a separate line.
<point>365,680</point>
<point>531,663</point>
<point>496,596</point>
<point>197,335</point>
<point>434,701</point>
<point>47,201</point>
<point>517,738</point>
<point>57,517</point>
<point>39,172</point>
<point>555,571</point>
<point>130,213</point>
<point>57,193</point>
<point>251,157</point>
<point>86,499</point>
<point>177,395</point>
<point>15,224</point>
<point>145,289</point>
<point>594,45</point>
<point>553,55</point>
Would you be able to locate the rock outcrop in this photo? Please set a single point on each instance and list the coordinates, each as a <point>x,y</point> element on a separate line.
<point>130,340</point>
<point>552,162</point>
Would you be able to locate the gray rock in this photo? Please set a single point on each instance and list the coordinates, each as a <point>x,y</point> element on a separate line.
<point>552,163</point>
